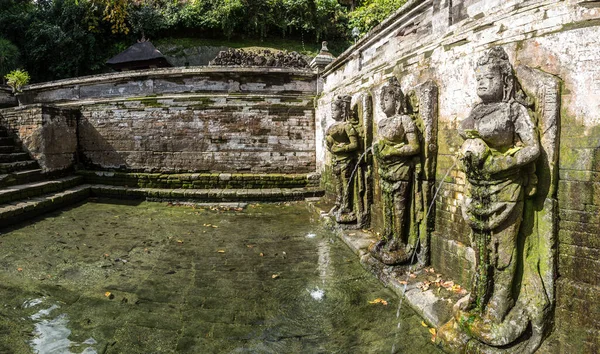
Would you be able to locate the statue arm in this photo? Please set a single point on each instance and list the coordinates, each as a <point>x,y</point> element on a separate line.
<point>348,147</point>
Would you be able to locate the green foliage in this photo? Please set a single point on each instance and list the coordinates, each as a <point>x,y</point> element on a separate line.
<point>17,79</point>
<point>9,56</point>
<point>373,12</point>
<point>66,38</point>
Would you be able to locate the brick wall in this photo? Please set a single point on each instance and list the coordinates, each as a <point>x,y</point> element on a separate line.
<point>200,133</point>
<point>47,133</point>
<point>441,41</point>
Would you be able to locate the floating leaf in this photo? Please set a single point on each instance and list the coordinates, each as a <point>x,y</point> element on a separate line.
<point>424,324</point>
<point>412,275</point>
<point>109,295</point>
<point>250,246</point>
<point>179,241</point>
<point>275,276</point>
<point>262,254</point>
<point>403,282</point>
<point>378,301</point>
<point>221,251</point>
<point>19,269</point>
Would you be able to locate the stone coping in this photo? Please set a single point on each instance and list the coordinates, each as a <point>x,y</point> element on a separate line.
<point>164,72</point>
<point>392,22</point>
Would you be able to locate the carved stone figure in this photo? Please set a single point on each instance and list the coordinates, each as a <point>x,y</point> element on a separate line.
<point>397,153</point>
<point>498,156</point>
<point>239,57</point>
<point>342,141</point>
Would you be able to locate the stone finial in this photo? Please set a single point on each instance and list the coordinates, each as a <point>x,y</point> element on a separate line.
<point>323,58</point>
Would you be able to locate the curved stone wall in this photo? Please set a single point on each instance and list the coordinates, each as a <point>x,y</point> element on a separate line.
<point>241,120</point>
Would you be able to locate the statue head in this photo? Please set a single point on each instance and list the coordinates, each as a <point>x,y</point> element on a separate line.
<point>340,107</point>
<point>495,79</point>
<point>392,98</point>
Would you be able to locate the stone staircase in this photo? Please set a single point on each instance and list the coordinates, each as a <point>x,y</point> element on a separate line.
<point>25,191</point>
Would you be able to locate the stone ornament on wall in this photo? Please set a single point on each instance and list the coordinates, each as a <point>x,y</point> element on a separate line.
<point>404,148</point>
<point>510,213</point>
<point>346,140</point>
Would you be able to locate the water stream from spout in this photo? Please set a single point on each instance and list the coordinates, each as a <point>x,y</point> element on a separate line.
<point>414,254</point>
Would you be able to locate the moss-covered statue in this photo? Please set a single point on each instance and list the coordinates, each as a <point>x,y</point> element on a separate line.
<point>507,302</point>
<point>342,141</point>
<point>396,151</point>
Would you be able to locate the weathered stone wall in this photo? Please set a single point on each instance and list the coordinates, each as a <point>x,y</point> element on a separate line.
<point>48,134</point>
<point>251,120</point>
<point>6,98</point>
<point>441,41</point>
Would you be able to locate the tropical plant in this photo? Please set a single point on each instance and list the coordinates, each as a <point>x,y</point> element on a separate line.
<point>17,79</point>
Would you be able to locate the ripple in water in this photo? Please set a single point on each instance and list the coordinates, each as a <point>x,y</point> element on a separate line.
<point>52,334</point>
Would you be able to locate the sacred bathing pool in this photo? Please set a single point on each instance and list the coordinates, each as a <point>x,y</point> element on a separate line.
<point>455,149</point>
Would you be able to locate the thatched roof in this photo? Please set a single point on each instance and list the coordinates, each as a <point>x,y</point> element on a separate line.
<point>141,55</point>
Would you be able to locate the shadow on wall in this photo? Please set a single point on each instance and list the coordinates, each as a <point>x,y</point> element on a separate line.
<point>92,146</point>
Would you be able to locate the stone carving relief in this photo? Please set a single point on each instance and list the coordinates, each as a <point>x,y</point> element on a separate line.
<point>239,57</point>
<point>405,153</point>
<point>346,140</point>
<point>510,213</point>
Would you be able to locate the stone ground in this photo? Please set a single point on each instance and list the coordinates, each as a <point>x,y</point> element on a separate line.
<point>121,277</point>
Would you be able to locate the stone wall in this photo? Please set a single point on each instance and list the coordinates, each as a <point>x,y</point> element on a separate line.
<point>441,41</point>
<point>47,133</point>
<point>247,120</point>
<point>7,99</point>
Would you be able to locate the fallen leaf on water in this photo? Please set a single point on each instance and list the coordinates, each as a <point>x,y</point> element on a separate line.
<point>221,251</point>
<point>106,255</point>
<point>379,301</point>
<point>403,282</point>
<point>179,241</point>
<point>447,284</point>
<point>19,269</point>
<point>424,324</point>
<point>109,295</point>
<point>433,334</point>
<point>262,254</point>
<point>275,276</point>
<point>412,275</point>
<point>250,246</point>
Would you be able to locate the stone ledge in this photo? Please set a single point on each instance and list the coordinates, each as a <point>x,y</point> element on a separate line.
<point>206,195</point>
<point>16,212</point>
<point>434,305</point>
<point>201,181</point>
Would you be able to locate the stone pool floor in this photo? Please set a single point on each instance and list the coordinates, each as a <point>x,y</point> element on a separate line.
<point>122,277</point>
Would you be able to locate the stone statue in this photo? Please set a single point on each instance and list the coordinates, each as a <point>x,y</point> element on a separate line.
<point>342,141</point>
<point>397,153</point>
<point>498,156</point>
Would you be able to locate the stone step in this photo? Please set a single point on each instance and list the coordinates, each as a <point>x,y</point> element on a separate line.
<point>30,190</point>
<point>10,149</point>
<point>207,195</point>
<point>20,177</point>
<point>16,212</point>
<point>15,156</point>
<point>7,141</point>
<point>8,167</point>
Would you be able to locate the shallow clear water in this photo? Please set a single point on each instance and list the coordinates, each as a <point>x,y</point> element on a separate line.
<point>117,277</point>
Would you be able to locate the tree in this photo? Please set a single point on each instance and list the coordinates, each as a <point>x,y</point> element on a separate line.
<point>9,57</point>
